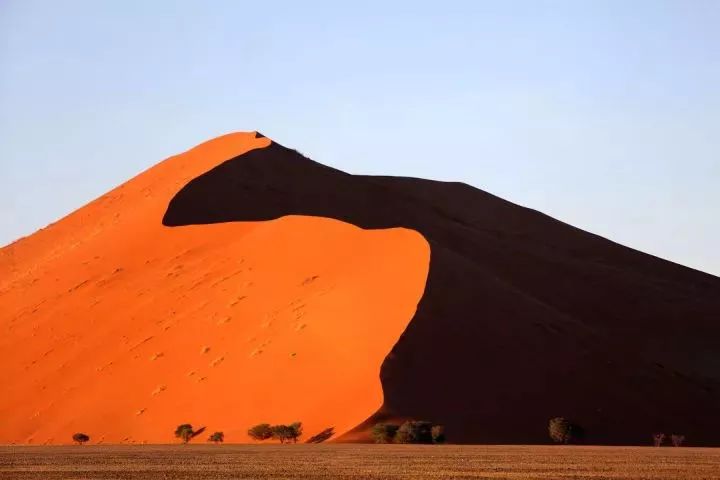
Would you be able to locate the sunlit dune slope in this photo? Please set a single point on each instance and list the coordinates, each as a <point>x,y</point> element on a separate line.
<point>115,325</point>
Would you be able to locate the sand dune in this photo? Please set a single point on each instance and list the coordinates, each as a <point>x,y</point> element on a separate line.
<point>241,282</point>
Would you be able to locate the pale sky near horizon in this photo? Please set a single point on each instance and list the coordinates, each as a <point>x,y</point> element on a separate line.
<point>603,114</point>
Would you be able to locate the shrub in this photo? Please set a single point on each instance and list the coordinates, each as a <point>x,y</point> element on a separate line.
<point>260,432</point>
<point>322,436</point>
<point>438,434</point>
<point>658,439</point>
<point>384,432</point>
<point>80,438</point>
<point>414,432</point>
<point>184,432</point>
<point>562,430</point>
<point>677,440</point>
<point>217,437</point>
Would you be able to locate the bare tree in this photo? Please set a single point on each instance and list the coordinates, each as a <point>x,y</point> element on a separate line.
<point>658,439</point>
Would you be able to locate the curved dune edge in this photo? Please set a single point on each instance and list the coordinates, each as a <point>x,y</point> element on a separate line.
<point>119,327</point>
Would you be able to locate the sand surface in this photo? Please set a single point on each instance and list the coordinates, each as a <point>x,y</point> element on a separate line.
<point>122,328</point>
<point>366,462</point>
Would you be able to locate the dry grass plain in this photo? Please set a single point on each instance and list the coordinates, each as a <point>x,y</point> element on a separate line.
<point>199,462</point>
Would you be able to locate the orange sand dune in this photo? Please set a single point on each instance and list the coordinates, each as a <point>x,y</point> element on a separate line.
<point>119,327</point>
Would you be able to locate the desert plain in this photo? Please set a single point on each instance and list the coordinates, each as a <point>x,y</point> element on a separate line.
<point>355,461</point>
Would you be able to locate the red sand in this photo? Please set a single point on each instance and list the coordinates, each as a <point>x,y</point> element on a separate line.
<point>119,327</point>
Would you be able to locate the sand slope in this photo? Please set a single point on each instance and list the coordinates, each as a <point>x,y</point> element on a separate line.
<point>120,327</point>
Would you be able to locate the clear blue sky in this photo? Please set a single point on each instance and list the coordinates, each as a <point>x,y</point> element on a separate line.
<point>604,114</point>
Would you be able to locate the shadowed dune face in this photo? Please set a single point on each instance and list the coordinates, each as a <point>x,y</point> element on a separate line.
<point>118,326</point>
<point>523,317</point>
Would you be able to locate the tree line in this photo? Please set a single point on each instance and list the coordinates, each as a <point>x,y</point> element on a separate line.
<point>560,429</point>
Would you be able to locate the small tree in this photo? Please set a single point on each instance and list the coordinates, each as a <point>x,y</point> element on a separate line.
<point>563,431</point>
<point>322,436</point>
<point>414,432</point>
<point>384,432</point>
<point>677,440</point>
<point>287,433</point>
<point>217,437</point>
<point>438,434</point>
<point>658,439</point>
<point>294,431</point>
<point>281,433</point>
<point>80,438</point>
<point>184,432</point>
<point>260,432</point>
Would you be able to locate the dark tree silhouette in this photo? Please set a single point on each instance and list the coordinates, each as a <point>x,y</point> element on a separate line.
<point>561,430</point>
<point>260,432</point>
<point>295,431</point>
<point>287,433</point>
<point>384,432</point>
<point>184,432</point>
<point>80,438</point>
<point>217,437</point>
<point>414,431</point>
<point>438,434</point>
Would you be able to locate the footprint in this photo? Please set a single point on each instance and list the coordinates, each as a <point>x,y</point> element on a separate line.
<point>204,350</point>
<point>217,361</point>
<point>238,300</point>
<point>147,339</point>
<point>159,390</point>
<point>157,355</point>
<point>309,280</point>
